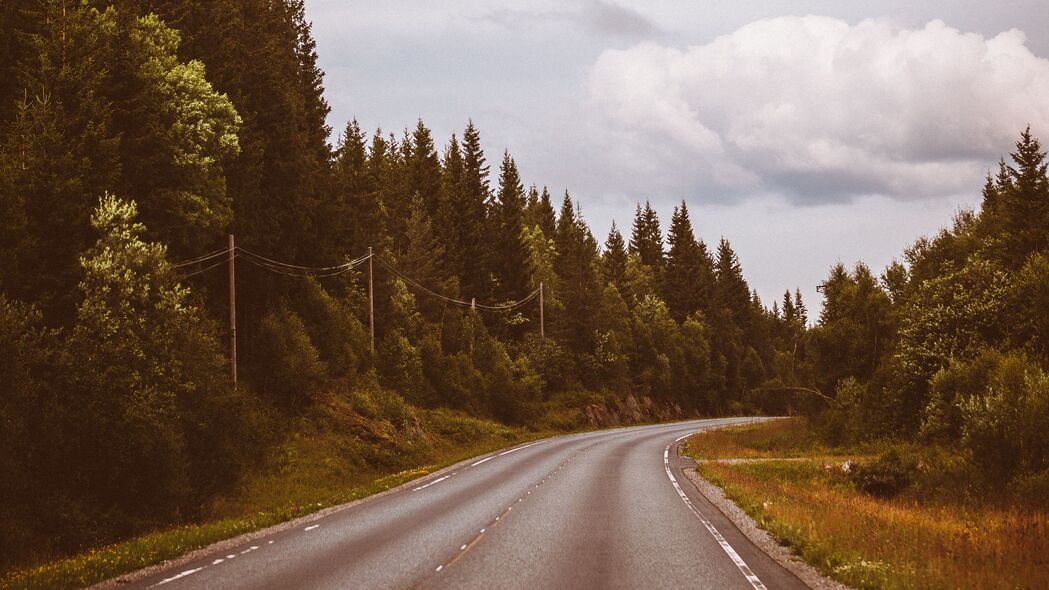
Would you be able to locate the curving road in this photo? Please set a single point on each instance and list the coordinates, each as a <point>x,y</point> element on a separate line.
<point>607,509</point>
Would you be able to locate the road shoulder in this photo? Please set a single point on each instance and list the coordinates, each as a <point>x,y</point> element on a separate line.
<point>759,537</point>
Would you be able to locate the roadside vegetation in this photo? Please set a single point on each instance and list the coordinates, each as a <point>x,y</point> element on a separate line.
<point>347,447</point>
<point>136,136</point>
<point>879,515</point>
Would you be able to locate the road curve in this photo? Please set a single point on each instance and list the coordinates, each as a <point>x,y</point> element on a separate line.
<point>606,509</point>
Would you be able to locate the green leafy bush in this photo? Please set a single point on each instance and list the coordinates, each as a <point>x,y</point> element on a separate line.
<point>886,477</point>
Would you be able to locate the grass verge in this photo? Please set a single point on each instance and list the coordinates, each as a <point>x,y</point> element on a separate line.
<point>336,454</point>
<point>908,541</point>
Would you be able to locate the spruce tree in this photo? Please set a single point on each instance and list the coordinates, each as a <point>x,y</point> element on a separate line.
<point>64,151</point>
<point>511,253</point>
<point>576,267</point>
<point>424,169</point>
<point>1025,202</point>
<point>613,259</point>
<point>647,238</point>
<point>474,243</point>
<point>688,281</point>
<point>448,221</point>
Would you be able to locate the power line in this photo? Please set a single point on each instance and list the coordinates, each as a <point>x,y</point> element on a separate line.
<point>472,304</point>
<point>297,270</point>
<point>203,258</point>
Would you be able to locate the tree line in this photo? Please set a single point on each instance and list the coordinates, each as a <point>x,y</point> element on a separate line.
<point>136,134</point>
<point>950,346</point>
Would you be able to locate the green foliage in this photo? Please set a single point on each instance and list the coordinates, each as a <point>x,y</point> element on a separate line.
<point>286,359</point>
<point>1004,426</point>
<point>887,476</point>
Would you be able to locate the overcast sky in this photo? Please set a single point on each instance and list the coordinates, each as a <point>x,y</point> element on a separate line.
<point>806,132</point>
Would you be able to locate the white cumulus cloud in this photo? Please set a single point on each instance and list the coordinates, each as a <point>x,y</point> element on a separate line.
<point>819,110</point>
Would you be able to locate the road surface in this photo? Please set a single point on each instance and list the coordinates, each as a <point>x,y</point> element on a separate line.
<point>607,509</point>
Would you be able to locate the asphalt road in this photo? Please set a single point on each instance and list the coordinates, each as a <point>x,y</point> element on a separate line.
<point>607,509</point>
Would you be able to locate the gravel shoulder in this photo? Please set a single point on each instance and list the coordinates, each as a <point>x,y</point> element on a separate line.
<point>746,525</point>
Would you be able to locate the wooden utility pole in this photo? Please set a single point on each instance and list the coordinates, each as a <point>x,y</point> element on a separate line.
<point>232,313</point>
<point>371,301</point>
<point>542,324</point>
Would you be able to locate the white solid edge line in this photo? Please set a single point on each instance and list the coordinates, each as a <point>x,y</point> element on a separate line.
<point>742,565</point>
<point>438,480</point>
<point>514,450</point>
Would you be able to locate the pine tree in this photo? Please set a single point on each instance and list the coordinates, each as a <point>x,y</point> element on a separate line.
<point>688,281</point>
<point>63,151</point>
<point>424,169</point>
<point>732,292</point>
<point>613,259</point>
<point>474,243</point>
<point>800,312</point>
<point>511,262</point>
<point>540,211</point>
<point>647,238</point>
<point>354,213</point>
<point>448,222</point>
<point>576,268</point>
<point>1025,201</point>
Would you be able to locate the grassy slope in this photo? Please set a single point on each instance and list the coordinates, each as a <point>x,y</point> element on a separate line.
<point>342,450</point>
<point>916,540</point>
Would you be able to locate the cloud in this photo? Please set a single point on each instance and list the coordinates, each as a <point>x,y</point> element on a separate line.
<point>819,110</point>
<point>601,17</point>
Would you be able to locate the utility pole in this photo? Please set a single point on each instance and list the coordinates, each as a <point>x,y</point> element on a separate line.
<point>232,313</point>
<point>542,324</point>
<point>371,301</point>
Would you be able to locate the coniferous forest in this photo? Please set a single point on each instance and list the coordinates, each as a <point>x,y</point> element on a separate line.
<point>136,135</point>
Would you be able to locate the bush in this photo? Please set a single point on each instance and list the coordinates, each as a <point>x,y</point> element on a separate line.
<point>886,477</point>
<point>1005,428</point>
<point>287,365</point>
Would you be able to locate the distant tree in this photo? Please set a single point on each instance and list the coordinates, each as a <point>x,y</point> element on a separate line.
<point>1023,202</point>
<point>613,259</point>
<point>647,238</point>
<point>540,211</point>
<point>688,284</point>
<point>511,253</point>
<point>473,240</point>
<point>424,169</point>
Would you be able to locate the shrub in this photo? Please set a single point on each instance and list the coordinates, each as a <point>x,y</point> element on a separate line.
<point>287,365</point>
<point>1005,427</point>
<point>886,477</point>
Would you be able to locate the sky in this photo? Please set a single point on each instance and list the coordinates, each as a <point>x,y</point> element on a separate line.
<point>805,132</point>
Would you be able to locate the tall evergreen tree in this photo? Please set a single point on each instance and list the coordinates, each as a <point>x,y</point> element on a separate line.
<point>511,253</point>
<point>647,238</point>
<point>540,211</point>
<point>1024,202</point>
<point>63,149</point>
<point>688,283</point>
<point>473,239</point>
<point>448,222</point>
<point>424,169</point>
<point>576,267</point>
<point>613,259</point>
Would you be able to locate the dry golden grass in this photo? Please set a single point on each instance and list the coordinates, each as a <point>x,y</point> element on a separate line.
<point>876,543</point>
<point>778,438</point>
